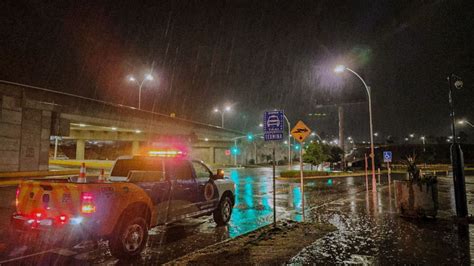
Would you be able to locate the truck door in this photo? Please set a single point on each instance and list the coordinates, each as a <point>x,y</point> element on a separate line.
<point>184,189</point>
<point>208,195</point>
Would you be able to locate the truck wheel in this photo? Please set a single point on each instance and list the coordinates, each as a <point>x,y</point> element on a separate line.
<point>224,210</point>
<point>130,238</point>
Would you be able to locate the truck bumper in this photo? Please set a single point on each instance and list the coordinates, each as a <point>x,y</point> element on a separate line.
<point>73,228</point>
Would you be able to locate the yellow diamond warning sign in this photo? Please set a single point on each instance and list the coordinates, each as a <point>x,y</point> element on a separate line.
<point>301,131</point>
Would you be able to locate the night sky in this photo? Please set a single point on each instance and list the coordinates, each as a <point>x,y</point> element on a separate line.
<point>255,55</point>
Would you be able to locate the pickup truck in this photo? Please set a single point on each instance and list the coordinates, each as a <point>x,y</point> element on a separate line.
<point>141,192</point>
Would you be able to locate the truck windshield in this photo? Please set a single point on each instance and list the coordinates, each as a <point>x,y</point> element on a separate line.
<point>123,166</point>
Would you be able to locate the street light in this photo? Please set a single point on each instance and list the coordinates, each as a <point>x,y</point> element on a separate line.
<point>226,108</point>
<point>457,159</point>
<point>147,77</point>
<point>340,69</point>
<point>463,122</point>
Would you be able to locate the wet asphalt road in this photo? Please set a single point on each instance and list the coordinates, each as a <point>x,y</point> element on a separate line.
<point>366,233</point>
<point>253,209</point>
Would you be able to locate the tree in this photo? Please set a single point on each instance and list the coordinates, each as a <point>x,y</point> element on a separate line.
<point>268,157</point>
<point>333,153</point>
<point>314,154</point>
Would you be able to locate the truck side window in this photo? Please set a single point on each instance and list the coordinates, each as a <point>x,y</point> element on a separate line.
<point>181,170</point>
<point>201,170</point>
<point>123,166</point>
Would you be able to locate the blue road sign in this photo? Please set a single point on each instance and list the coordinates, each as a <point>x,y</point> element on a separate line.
<point>273,121</point>
<point>273,136</point>
<point>387,156</point>
<point>273,125</point>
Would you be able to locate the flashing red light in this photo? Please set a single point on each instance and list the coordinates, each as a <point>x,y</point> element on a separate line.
<point>87,203</point>
<point>38,215</point>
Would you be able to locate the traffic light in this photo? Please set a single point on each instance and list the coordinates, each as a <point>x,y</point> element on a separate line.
<point>235,150</point>
<point>297,147</point>
<point>249,137</point>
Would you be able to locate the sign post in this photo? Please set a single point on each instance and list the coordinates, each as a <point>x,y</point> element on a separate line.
<point>300,132</point>
<point>387,157</point>
<point>273,131</point>
<point>366,176</point>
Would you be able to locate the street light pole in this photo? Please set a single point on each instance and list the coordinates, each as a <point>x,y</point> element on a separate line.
<point>372,152</point>
<point>222,112</point>
<point>140,85</point>
<point>462,122</point>
<point>457,159</point>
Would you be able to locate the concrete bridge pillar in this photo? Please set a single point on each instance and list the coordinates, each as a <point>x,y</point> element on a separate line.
<point>135,147</point>
<point>80,149</point>
<point>212,159</point>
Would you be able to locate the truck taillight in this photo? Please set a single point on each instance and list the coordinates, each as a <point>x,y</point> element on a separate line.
<point>62,219</point>
<point>17,197</point>
<point>87,203</point>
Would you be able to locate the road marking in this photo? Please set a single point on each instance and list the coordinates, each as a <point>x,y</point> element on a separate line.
<point>28,256</point>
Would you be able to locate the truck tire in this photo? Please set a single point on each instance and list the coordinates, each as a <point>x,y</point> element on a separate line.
<point>223,212</point>
<point>130,238</point>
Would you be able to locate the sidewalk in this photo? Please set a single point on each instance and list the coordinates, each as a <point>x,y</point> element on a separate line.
<point>370,231</point>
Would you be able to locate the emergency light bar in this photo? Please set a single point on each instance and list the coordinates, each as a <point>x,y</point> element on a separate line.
<point>166,153</point>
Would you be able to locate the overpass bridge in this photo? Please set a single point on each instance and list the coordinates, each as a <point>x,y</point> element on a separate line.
<point>31,116</point>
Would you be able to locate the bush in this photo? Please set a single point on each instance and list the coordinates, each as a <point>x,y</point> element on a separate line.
<point>296,173</point>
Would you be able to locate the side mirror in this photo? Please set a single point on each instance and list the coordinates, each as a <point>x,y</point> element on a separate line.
<point>219,174</point>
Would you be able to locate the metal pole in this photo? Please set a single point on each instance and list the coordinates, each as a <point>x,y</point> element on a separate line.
<point>457,160</point>
<point>274,187</point>
<point>235,153</point>
<point>255,150</point>
<point>469,123</point>
<point>366,175</point>
<point>140,95</point>
<point>289,142</point>
<point>55,147</point>
<point>372,152</point>
<point>389,173</point>
<point>222,120</point>
<point>302,181</point>
<point>340,112</point>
